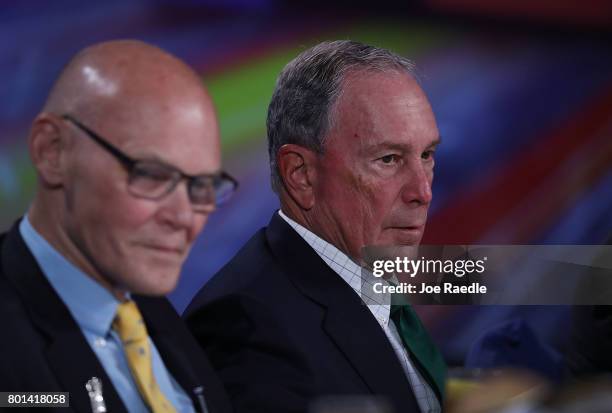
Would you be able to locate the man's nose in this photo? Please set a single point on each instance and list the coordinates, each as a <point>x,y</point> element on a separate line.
<point>417,189</point>
<point>177,210</point>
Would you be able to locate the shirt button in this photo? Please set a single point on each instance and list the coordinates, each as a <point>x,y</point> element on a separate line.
<point>100,342</point>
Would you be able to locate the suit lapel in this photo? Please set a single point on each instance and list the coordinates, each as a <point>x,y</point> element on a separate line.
<point>74,365</point>
<point>71,358</point>
<point>348,322</point>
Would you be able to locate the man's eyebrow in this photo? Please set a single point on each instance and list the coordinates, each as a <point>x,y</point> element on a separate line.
<point>155,158</point>
<point>435,142</point>
<point>147,156</point>
<point>386,146</point>
<point>405,147</point>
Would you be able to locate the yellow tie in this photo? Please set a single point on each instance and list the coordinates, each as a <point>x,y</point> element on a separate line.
<point>133,332</point>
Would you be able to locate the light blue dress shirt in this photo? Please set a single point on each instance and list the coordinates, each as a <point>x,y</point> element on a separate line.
<point>94,307</point>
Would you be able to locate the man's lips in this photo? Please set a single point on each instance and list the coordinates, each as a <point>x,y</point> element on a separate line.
<point>408,227</point>
<point>169,249</point>
<point>408,234</point>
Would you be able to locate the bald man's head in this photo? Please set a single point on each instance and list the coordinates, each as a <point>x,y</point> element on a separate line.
<point>91,203</point>
<point>107,78</point>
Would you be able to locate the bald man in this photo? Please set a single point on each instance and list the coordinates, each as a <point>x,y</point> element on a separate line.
<point>127,156</point>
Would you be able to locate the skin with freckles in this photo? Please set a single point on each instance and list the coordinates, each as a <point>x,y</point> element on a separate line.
<point>372,184</point>
<point>151,106</point>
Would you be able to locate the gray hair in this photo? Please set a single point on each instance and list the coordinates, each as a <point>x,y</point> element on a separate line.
<point>301,111</point>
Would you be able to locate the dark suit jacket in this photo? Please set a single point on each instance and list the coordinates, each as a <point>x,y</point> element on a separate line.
<point>43,349</point>
<point>282,328</point>
<point>590,339</point>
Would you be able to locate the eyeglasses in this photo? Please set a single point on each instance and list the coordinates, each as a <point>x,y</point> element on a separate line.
<point>154,180</point>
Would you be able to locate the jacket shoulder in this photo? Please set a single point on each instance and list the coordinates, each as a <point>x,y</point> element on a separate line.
<point>252,271</point>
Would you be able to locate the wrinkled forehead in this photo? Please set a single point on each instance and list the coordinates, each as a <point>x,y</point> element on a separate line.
<point>363,85</point>
<point>384,103</point>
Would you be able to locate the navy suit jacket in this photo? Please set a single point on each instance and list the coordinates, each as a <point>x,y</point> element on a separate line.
<point>281,328</point>
<point>43,349</point>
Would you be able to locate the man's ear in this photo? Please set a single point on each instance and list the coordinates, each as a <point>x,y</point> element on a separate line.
<point>296,165</point>
<point>46,145</point>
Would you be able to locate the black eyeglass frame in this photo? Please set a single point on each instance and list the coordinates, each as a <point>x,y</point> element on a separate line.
<point>130,163</point>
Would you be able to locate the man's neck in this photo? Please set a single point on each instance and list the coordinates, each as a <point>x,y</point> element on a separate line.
<point>49,225</point>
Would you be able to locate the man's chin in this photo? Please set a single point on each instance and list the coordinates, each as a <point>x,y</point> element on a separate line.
<point>152,284</point>
<point>154,291</point>
<point>406,236</point>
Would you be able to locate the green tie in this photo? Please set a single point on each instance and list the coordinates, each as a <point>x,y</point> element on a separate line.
<point>421,347</point>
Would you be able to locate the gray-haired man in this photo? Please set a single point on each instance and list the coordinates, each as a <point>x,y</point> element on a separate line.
<point>351,140</point>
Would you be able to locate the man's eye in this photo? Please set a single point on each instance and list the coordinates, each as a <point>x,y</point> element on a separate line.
<point>389,159</point>
<point>202,185</point>
<point>428,155</point>
<point>151,174</point>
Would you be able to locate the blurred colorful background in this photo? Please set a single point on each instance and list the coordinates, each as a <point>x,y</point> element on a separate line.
<point>522,92</point>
